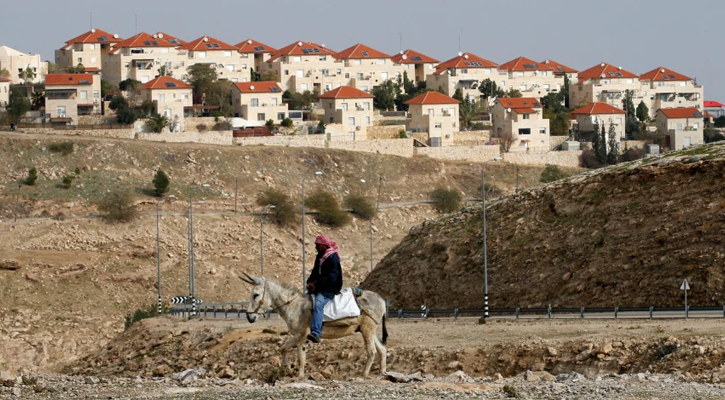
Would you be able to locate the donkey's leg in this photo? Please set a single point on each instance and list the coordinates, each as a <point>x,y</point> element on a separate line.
<point>286,347</point>
<point>302,360</point>
<point>367,329</point>
<point>383,353</point>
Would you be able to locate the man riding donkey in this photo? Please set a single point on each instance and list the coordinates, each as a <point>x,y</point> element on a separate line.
<point>324,282</point>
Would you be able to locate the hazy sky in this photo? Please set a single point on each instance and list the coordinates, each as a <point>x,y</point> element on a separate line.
<point>636,35</point>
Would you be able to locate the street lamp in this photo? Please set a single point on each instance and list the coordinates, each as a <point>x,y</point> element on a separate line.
<point>304,252</point>
<point>261,239</point>
<point>158,251</point>
<point>482,320</point>
<point>377,209</point>
<point>192,285</point>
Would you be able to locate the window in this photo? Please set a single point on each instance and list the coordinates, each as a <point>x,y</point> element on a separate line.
<point>355,62</point>
<point>347,75</point>
<point>339,71</point>
<point>696,126</point>
<point>254,102</point>
<point>526,116</point>
<point>280,116</point>
<point>201,54</point>
<point>464,70</point>
<point>300,73</point>
<point>547,87</point>
<point>343,106</point>
<point>227,54</point>
<point>92,46</point>
<point>325,72</point>
<point>630,80</point>
<point>367,121</point>
<point>304,87</point>
<point>544,73</point>
<point>364,88</point>
<point>431,112</point>
<point>323,58</point>
<point>230,67</point>
<point>274,101</point>
<point>80,60</point>
<point>286,72</point>
<point>60,110</point>
<point>96,95</point>
<point>84,95</point>
<point>297,59</point>
<point>93,60</point>
<point>520,74</point>
<point>366,106</point>
<point>542,131</point>
<point>181,63</point>
<point>679,127</point>
<point>162,98</point>
<point>351,121</point>
<point>525,131</point>
<point>185,96</point>
<point>438,125</point>
<point>384,76</point>
<point>261,117</point>
<point>618,121</point>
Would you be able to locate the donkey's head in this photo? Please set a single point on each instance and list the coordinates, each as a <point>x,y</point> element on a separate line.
<point>258,299</point>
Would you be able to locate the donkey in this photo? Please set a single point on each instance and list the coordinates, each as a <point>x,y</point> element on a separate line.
<point>296,310</point>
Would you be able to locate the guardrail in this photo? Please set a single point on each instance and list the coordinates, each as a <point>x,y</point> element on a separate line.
<point>235,310</point>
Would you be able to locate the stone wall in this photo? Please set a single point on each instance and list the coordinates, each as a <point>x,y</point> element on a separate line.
<point>555,141</point>
<point>96,120</point>
<point>110,133</point>
<point>209,137</point>
<point>395,147</point>
<point>471,138</point>
<point>462,153</point>
<point>317,141</point>
<point>191,122</point>
<point>560,158</point>
<point>385,132</point>
<point>633,144</point>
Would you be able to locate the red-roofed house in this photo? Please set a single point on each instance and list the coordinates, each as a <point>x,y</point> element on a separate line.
<point>520,125</point>
<point>604,83</point>
<point>436,114</point>
<point>86,49</point>
<point>17,62</point>
<point>171,39</point>
<point>259,101</point>
<point>418,65</point>
<point>348,113</point>
<point>4,91</point>
<point>599,114</point>
<point>684,126</point>
<point>529,77</point>
<point>562,70</point>
<point>366,67</point>
<point>665,88</point>
<point>465,72</point>
<point>221,56</point>
<point>140,57</point>
<point>169,96</point>
<point>69,96</point>
<point>255,53</point>
<point>303,66</point>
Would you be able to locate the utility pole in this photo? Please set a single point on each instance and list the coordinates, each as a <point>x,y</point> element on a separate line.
<point>236,187</point>
<point>17,201</point>
<point>483,319</point>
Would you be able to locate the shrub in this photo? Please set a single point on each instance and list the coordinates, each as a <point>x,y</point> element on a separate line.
<point>633,154</point>
<point>161,183</point>
<point>158,122</point>
<point>446,200</point>
<point>63,148</point>
<point>287,123</point>
<point>492,191</point>
<point>589,160</point>
<point>552,173</point>
<point>32,177</point>
<point>118,102</point>
<point>222,126</point>
<point>77,171</point>
<point>67,182</point>
<point>712,135</point>
<point>361,206</point>
<point>150,311</point>
<point>126,116</point>
<point>202,128</point>
<point>117,206</point>
<point>402,134</point>
<point>283,213</point>
<point>329,212</point>
<point>269,124</point>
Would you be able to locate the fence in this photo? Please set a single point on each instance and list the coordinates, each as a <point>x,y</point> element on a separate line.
<point>72,127</point>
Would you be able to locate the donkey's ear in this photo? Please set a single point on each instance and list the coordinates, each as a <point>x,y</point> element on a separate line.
<point>247,278</point>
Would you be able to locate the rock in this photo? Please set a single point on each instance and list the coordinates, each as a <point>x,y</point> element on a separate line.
<point>570,377</point>
<point>459,377</point>
<point>552,351</point>
<point>328,372</point>
<point>189,375</point>
<point>7,379</point>
<point>498,377</point>
<point>92,380</point>
<point>227,373</point>
<point>454,365</point>
<point>301,385</point>
<point>397,377</point>
<point>530,377</point>
<point>317,377</point>
<point>607,348</point>
<point>544,376</point>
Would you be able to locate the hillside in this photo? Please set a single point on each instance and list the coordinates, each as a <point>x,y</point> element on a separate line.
<point>623,236</point>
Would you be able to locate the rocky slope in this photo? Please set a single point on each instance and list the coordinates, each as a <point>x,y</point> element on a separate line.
<point>623,236</point>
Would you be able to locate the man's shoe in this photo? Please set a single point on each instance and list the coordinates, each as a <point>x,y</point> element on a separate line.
<point>313,338</point>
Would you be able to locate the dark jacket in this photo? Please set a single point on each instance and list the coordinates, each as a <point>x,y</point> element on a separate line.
<point>327,277</point>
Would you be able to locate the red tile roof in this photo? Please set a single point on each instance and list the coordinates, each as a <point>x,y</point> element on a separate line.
<point>207,43</point>
<point>346,92</point>
<point>683,112</point>
<point>258,87</point>
<point>68,79</point>
<point>713,104</point>
<point>4,79</point>
<point>605,71</point>
<point>361,51</point>
<point>524,110</point>
<point>662,74</point>
<point>559,67</point>
<point>708,115</point>
<point>465,60</point>
<point>413,57</point>
<point>519,103</point>
<point>253,46</point>
<point>524,64</point>
<point>165,82</point>
<point>302,49</point>
<point>432,98</point>
<point>598,108</point>
<point>142,39</point>
<point>93,36</point>
<point>171,39</point>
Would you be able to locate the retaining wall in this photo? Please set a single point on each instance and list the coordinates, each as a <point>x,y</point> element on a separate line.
<point>209,137</point>
<point>395,147</point>
<point>461,153</point>
<point>111,133</point>
<point>560,158</point>
<point>384,132</point>
<point>317,141</point>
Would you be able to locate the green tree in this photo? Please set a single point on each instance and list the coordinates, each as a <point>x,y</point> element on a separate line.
<point>329,212</point>
<point>468,109</point>
<point>283,213</point>
<point>565,91</point>
<point>17,106</point>
<point>161,183</point>
<point>118,102</point>
<point>129,85</point>
<point>67,182</point>
<point>287,123</point>
<point>628,104</point>
<point>720,122</point>
<point>118,206</point>
<point>27,75</point>
<point>126,116</point>
<point>556,113</point>
<point>32,177</point>
<point>642,112</point>
<point>269,76</point>
<point>53,68</point>
<point>78,69</point>
<point>4,72</point>
<point>385,95</point>
<point>146,108</point>
<point>163,71</point>
<point>597,140</point>
<point>270,124</point>
<point>361,206</point>
<point>513,93</point>
<point>446,201</point>
<point>158,122</point>
<point>612,146</point>
<point>202,78</point>
<point>106,87</point>
<point>37,99</point>
<point>552,173</point>
<point>489,89</point>
<point>458,95</point>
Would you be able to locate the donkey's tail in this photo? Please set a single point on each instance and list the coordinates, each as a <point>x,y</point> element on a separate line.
<point>385,329</point>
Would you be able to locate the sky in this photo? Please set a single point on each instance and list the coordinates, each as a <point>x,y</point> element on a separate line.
<point>637,35</point>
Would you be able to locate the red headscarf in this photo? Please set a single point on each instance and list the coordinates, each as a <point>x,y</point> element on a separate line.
<point>331,247</point>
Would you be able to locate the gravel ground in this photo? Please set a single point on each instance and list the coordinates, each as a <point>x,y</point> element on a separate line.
<point>570,386</point>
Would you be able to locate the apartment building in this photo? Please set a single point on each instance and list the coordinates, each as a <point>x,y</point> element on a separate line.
<point>223,57</point>
<point>17,62</point>
<point>604,83</point>
<point>521,122</point>
<point>365,67</point>
<point>4,91</point>
<point>351,108</point>
<point>254,54</point>
<point>684,126</point>
<point>466,72</point>
<point>531,78</point>
<point>140,57</point>
<point>416,64</point>
<point>599,114</point>
<point>259,101</point>
<point>436,114</point>
<point>561,70</point>
<point>303,66</point>
<point>68,96</point>
<point>169,96</point>
<point>170,38</point>
<point>665,88</point>
<point>87,49</point>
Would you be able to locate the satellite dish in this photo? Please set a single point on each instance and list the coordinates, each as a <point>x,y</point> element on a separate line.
<point>299,44</point>
<point>620,68</point>
<point>156,36</point>
<point>508,109</point>
<point>466,56</point>
<point>546,62</point>
<point>206,39</point>
<point>115,36</point>
<point>249,41</point>
<point>251,87</point>
<point>662,70</point>
<point>602,64</point>
<point>323,45</point>
<point>93,30</point>
<point>604,76</point>
<point>405,57</point>
<point>161,35</point>
<point>401,51</point>
<point>460,54</point>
